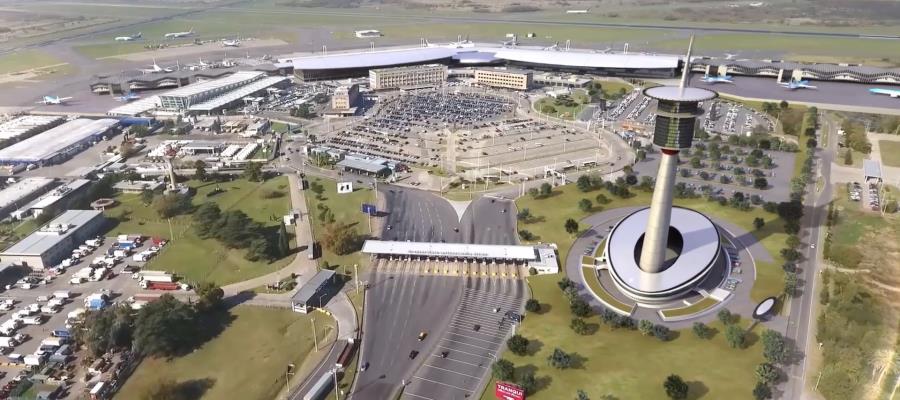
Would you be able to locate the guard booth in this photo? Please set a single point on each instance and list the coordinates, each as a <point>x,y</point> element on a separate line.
<point>314,293</point>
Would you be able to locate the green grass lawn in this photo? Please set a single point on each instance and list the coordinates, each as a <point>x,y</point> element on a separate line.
<point>347,208</point>
<point>26,59</point>
<point>890,152</point>
<point>593,282</point>
<point>607,362</point>
<point>199,259</point>
<point>562,111</point>
<point>691,309</point>
<point>246,361</point>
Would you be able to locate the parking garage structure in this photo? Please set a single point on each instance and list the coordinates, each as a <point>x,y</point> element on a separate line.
<point>542,258</point>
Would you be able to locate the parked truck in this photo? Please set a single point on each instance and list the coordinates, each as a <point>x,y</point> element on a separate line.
<point>8,341</point>
<point>96,301</point>
<point>158,278</point>
<point>54,341</point>
<point>62,294</point>
<point>152,285</point>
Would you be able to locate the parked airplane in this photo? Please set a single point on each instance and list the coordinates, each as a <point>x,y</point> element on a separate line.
<point>176,35</point>
<point>513,41</point>
<point>717,79</point>
<point>795,84</point>
<point>155,69</point>
<point>895,93</point>
<point>129,38</point>
<point>54,100</point>
<point>128,97</point>
<point>231,43</point>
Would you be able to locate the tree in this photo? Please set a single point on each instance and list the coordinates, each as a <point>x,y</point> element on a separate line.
<point>206,219</point>
<point>584,183</point>
<point>172,204</point>
<point>532,305</point>
<point>735,336</point>
<point>579,326</point>
<point>565,283</point>
<point>253,172</point>
<point>503,370</point>
<point>792,241</point>
<point>760,183</point>
<point>200,170</point>
<point>758,223</point>
<point>848,157</point>
<point>725,317</point>
<point>527,381</point>
<point>790,284</point>
<point>790,254</point>
<point>645,327</point>
<point>701,330</point>
<point>210,296</point>
<point>164,328</point>
<point>602,199</point>
<point>766,373</point>
<point>783,105</point>
<point>571,226</point>
<point>581,395</point>
<point>580,308</point>
<point>526,235</point>
<point>147,197</point>
<point>524,215</point>
<point>517,344</point>
<point>283,247</point>
<point>762,392</point>
<point>546,190</point>
<point>341,238</point>
<point>774,347</point>
<point>675,387</point>
<point>661,332</point>
<point>168,389</point>
<point>560,359</point>
<point>585,205</point>
<point>696,162</point>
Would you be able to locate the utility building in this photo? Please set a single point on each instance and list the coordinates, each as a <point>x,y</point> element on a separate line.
<point>55,241</point>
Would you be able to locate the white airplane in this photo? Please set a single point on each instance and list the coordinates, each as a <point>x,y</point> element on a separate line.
<point>795,84</point>
<point>176,35</point>
<point>125,98</point>
<point>513,41</point>
<point>730,56</point>
<point>54,100</point>
<point>203,64</point>
<point>889,92</point>
<point>155,69</point>
<point>711,79</point>
<point>129,38</point>
<point>231,43</point>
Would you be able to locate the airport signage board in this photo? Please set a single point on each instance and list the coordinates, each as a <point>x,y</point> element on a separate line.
<point>369,209</point>
<point>509,391</point>
<point>344,187</point>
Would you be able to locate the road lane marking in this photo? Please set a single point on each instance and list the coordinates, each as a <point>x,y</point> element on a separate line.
<point>442,383</point>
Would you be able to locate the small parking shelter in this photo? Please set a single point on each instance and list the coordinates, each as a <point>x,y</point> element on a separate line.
<point>312,293</point>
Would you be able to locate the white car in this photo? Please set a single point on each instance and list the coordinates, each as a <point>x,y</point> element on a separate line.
<point>812,245</point>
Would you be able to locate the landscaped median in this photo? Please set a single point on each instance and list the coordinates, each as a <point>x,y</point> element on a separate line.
<point>593,282</point>
<point>675,314</point>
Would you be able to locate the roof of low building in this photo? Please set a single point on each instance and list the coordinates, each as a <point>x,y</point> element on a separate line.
<point>308,290</point>
<point>462,250</point>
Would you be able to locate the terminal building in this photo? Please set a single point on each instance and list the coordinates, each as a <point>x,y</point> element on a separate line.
<point>183,98</point>
<point>59,143</point>
<point>504,78</point>
<point>407,77</point>
<point>785,71</point>
<point>49,245</point>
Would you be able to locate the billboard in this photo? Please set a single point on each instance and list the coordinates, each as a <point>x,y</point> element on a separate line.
<point>344,187</point>
<point>509,391</point>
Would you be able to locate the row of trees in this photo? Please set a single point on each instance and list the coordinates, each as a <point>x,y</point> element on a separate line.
<point>236,230</point>
<point>162,328</point>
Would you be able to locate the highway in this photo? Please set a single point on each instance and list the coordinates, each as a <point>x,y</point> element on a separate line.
<point>801,324</point>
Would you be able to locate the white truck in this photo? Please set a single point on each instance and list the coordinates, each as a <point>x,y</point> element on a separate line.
<point>62,294</point>
<point>94,242</point>
<point>98,275</point>
<point>33,320</point>
<point>158,278</point>
<point>54,341</point>
<point>51,309</point>
<point>8,341</point>
<point>34,359</point>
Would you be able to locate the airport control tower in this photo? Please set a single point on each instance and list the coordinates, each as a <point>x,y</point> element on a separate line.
<point>661,253</point>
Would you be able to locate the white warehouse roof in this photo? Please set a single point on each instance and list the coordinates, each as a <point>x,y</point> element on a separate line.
<point>18,126</point>
<point>462,250</point>
<point>51,142</point>
<point>21,189</point>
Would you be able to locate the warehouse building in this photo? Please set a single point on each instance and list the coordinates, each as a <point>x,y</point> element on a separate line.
<point>412,76</point>
<point>59,143</point>
<point>54,242</point>
<point>58,198</point>
<point>504,78</point>
<point>26,126</point>
<point>183,98</point>
<point>20,193</point>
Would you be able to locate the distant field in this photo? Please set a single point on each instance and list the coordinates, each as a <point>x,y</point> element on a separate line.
<point>26,59</point>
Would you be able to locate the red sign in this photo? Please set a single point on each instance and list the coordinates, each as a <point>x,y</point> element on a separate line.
<point>509,391</point>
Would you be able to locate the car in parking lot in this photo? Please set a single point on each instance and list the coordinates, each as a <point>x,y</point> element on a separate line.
<point>413,354</point>
<point>422,335</point>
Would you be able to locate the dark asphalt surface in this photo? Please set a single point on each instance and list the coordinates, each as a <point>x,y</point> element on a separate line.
<point>419,216</point>
<point>840,93</point>
<point>489,221</point>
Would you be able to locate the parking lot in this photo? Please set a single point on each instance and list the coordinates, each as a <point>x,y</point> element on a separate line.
<point>461,361</point>
<point>115,285</point>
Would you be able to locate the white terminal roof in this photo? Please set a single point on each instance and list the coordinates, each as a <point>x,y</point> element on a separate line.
<point>675,93</point>
<point>483,53</point>
<point>18,126</point>
<point>238,93</point>
<point>462,250</point>
<point>203,87</point>
<point>52,141</point>
<point>15,192</point>
<point>136,107</point>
